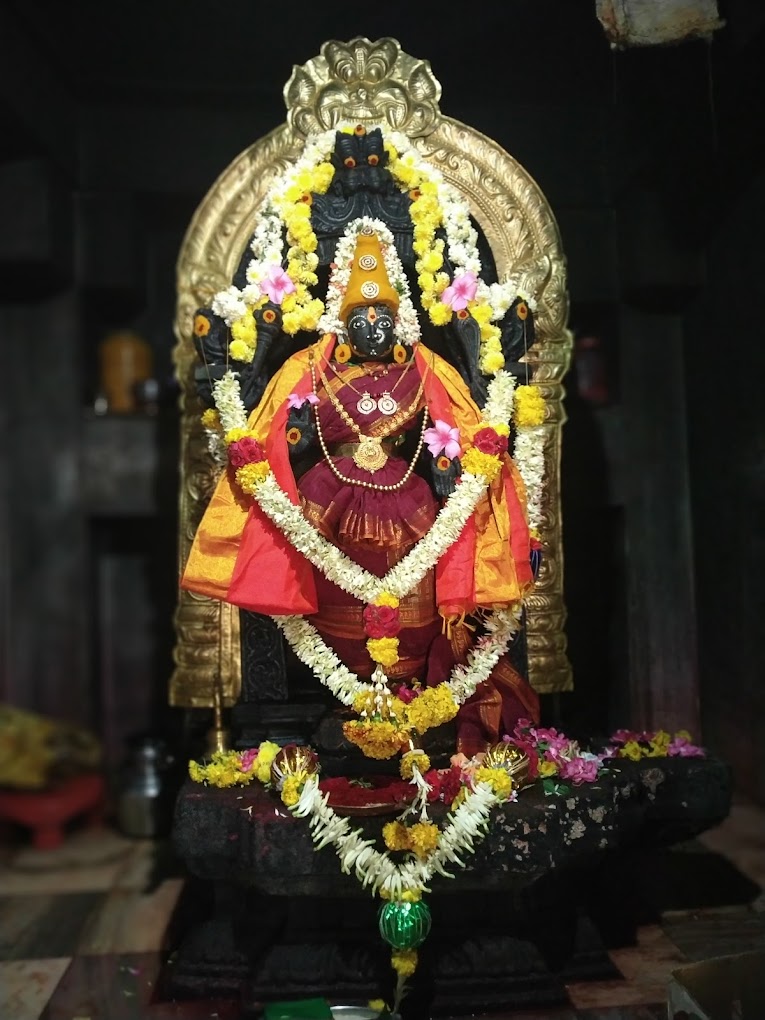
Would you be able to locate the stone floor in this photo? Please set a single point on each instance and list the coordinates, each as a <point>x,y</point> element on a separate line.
<point>84,931</point>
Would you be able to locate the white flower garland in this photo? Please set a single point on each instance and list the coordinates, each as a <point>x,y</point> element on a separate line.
<point>529,454</point>
<point>402,578</point>
<point>467,824</point>
<point>311,649</point>
<point>407,325</point>
<point>461,237</point>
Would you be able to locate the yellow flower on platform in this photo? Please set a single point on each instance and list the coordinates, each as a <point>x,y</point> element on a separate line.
<point>547,769</point>
<point>431,708</point>
<point>378,740</point>
<point>423,838</point>
<point>497,779</point>
<point>410,760</point>
<point>633,751</point>
<point>267,751</point>
<point>292,788</point>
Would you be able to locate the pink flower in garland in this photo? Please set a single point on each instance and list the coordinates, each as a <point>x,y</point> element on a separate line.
<point>246,451</point>
<point>442,436</point>
<point>248,759</point>
<point>276,284</point>
<point>461,291</point>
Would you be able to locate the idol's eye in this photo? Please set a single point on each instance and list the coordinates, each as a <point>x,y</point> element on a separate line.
<point>357,322</point>
<point>384,322</point>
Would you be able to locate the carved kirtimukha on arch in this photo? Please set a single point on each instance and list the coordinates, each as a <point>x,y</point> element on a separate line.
<point>372,84</point>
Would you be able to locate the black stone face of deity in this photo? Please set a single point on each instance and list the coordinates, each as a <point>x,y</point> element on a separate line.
<point>370,332</point>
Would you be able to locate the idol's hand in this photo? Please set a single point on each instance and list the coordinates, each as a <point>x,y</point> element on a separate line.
<point>445,473</point>
<point>301,429</point>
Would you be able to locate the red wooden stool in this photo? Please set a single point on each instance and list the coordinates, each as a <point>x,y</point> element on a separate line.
<point>46,812</point>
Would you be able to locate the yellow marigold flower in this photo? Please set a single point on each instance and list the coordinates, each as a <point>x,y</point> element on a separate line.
<point>426,281</point>
<point>423,838</point>
<point>241,351</point>
<point>196,772</point>
<point>377,1004</point>
<point>396,836</point>
<point>497,779</point>
<point>322,177</point>
<point>411,895</point>
<point>661,738</point>
<point>234,435</point>
<point>501,428</point>
<point>529,407</point>
<point>386,599</point>
<point>292,788</point>
<point>442,282</point>
<point>439,314</point>
<point>291,323</point>
<point>431,708</point>
<point>245,329</point>
<point>433,261</point>
<point>427,300</point>
<point>481,312</point>
<point>477,463</point>
<point>404,961</point>
<point>383,650</point>
<point>378,740</point>
<point>490,335</point>
<point>412,759</point>
<point>267,751</point>
<point>210,418</point>
<point>547,769</point>
<point>249,476</point>
<point>492,362</point>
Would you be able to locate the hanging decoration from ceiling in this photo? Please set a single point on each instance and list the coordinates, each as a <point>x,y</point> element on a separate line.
<point>657,22</point>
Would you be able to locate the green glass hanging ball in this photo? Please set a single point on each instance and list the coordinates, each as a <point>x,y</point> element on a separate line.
<point>404,925</point>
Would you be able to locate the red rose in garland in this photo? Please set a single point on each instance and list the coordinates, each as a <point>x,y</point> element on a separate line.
<point>488,441</point>
<point>381,621</point>
<point>246,451</point>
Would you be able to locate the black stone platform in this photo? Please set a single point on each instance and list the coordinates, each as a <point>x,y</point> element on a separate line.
<point>555,884</point>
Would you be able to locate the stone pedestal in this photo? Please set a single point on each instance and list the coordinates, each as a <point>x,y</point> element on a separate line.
<point>508,930</point>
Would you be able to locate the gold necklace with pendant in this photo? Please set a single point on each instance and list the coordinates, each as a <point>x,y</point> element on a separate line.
<point>369,454</point>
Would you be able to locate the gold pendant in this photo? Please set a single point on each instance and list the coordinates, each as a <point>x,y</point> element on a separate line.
<point>369,455</point>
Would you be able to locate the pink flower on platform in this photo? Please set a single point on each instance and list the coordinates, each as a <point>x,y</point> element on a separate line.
<point>462,290</point>
<point>248,759</point>
<point>441,436</point>
<point>276,284</point>
<point>681,747</point>
<point>580,770</point>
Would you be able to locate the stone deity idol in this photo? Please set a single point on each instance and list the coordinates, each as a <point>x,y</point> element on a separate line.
<point>373,510</point>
